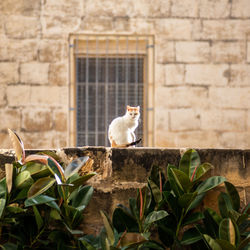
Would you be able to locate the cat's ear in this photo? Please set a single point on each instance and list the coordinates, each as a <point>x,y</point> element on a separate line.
<point>138,107</point>
<point>128,107</point>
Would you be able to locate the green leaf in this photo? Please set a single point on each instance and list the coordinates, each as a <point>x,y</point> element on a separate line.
<point>38,217</point>
<point>23,180</point>
<point>40,199</point>
<point>37,170</point>
<point>189,162</point>
<point>225,245</point>
<point>72,216</point>
<point>211,222</point>
<point>191,236</point>
<point>123,220</point>
<point>108,227</point>
<point>202,170</point>
<point>81,196</point>
<point>193,218</point>
<point>87,245</point>
<point>155,216</point>
<point>40,186</point>
<point>156,191</point>
<point>227,231</point>
<point>210,183</point>
<point>198,199</point>
<point>186,199</point>
<point>79,180</point>
<point>233,195</point>
<point>9,175</point>
<point>2,206</point>
<point>56,168</point>
<point>3,188</point>
<point>54,214</point>
<point>178,192</point>
<point>75,166</point>
<point>212,243</point>
<point>181,179</point>
<point>224,204</point>
<point>172,201</point>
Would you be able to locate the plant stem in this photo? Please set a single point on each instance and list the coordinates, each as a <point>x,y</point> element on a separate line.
<point>179,223</point>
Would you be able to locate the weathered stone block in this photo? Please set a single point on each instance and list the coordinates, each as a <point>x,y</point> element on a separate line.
<point>20,7</point>
<point>34,72</point>
<point>11,118</point>
<point>165,51</point>
<point>18,95</point>
<point>5,143</point>
<point>161,120</point>
<point>185,8</point>
<point>206,74</point>
<point>60,121</point>
<point>22,27</point>
<point>228,52</point>
<point>8,72</point>
<point>56,27</point>
<point>174,28</point>
<point>184,120</point>
<point>174,74</point>
<point>52,51</point>
<point>215,8</point>
<point>225,29</point>
<point>3,88</point>
<point>181,97</point>
<point>230,139</point>
<point>192,52</point>
<point>159,74</point>
<point>34,120</point>
<point>240,8</point>
<point>223,120</point>
<point>56,96</point>
<point>248,120</point>
<point>58,73</point>
<point>248,51</point>
<point>91,23</point>
<point>240,75</point>
<point>230,97</point>
<point>63,8</point>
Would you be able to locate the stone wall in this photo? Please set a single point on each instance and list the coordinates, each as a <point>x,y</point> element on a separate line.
<point>122,171</point>
<point>202,66</point>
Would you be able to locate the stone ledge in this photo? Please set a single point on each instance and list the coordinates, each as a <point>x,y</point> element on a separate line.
<point>122,171</point>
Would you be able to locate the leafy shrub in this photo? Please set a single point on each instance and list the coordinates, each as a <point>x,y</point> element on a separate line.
<point>41,204</point>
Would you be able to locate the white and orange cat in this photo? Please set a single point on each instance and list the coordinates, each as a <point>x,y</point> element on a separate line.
<point>121,131</point>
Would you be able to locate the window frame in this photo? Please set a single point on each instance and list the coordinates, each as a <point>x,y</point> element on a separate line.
<point>149,111</point>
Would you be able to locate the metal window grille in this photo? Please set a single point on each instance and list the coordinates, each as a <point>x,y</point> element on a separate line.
<point>110,74</point>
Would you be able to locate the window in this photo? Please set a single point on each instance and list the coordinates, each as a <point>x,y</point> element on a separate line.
<point>106,74</point>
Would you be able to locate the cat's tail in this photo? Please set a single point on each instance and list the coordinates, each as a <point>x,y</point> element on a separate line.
<point>133,143</point>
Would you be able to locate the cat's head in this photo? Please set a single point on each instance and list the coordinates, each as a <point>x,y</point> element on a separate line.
<point>133,112</point>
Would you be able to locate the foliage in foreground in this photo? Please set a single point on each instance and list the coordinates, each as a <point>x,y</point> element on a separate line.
<point>167,213</point>
<point>41,204</point>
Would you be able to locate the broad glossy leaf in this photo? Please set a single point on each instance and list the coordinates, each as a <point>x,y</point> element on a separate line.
<point>234,215</point>
<point>202,170</point>
<point>56,168</point>
<point>87,245</point>
<point>211,224</point>
<point>189,162</point>
<point>210,183</point>
<point>81,197</point>
<point>123,220</point>
<point>198,199</point>
<point>37,170</point>
<point>40,186</point>
<point>37,158</point>
<point>23,180</point>
<point>72,216</point>
<point>134,209</point>
<point>155,216</point>
<point>38,217</point>
<point>233,195</point>
<point>216,217</point>
<point>15,210</point>
<point>108,227</point>
<point>225,245</point>
<point>54,214</point>
<point>172,201</point>
<point>156,191</point>
<point>178,192</point>
<point>191,236</point>
<point>40,199</point>
<point>17,145</point>
<point>186,199</point>
<point>212,243</point>
<point>224,204</point>
<point>181,179</point>
<point>193,218</point>
<point>3,188</point>
<point>81,180</point>
<point>227,231</point>
<point>9,174</point>
<point>75,166</point>
<point>2,206</point>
